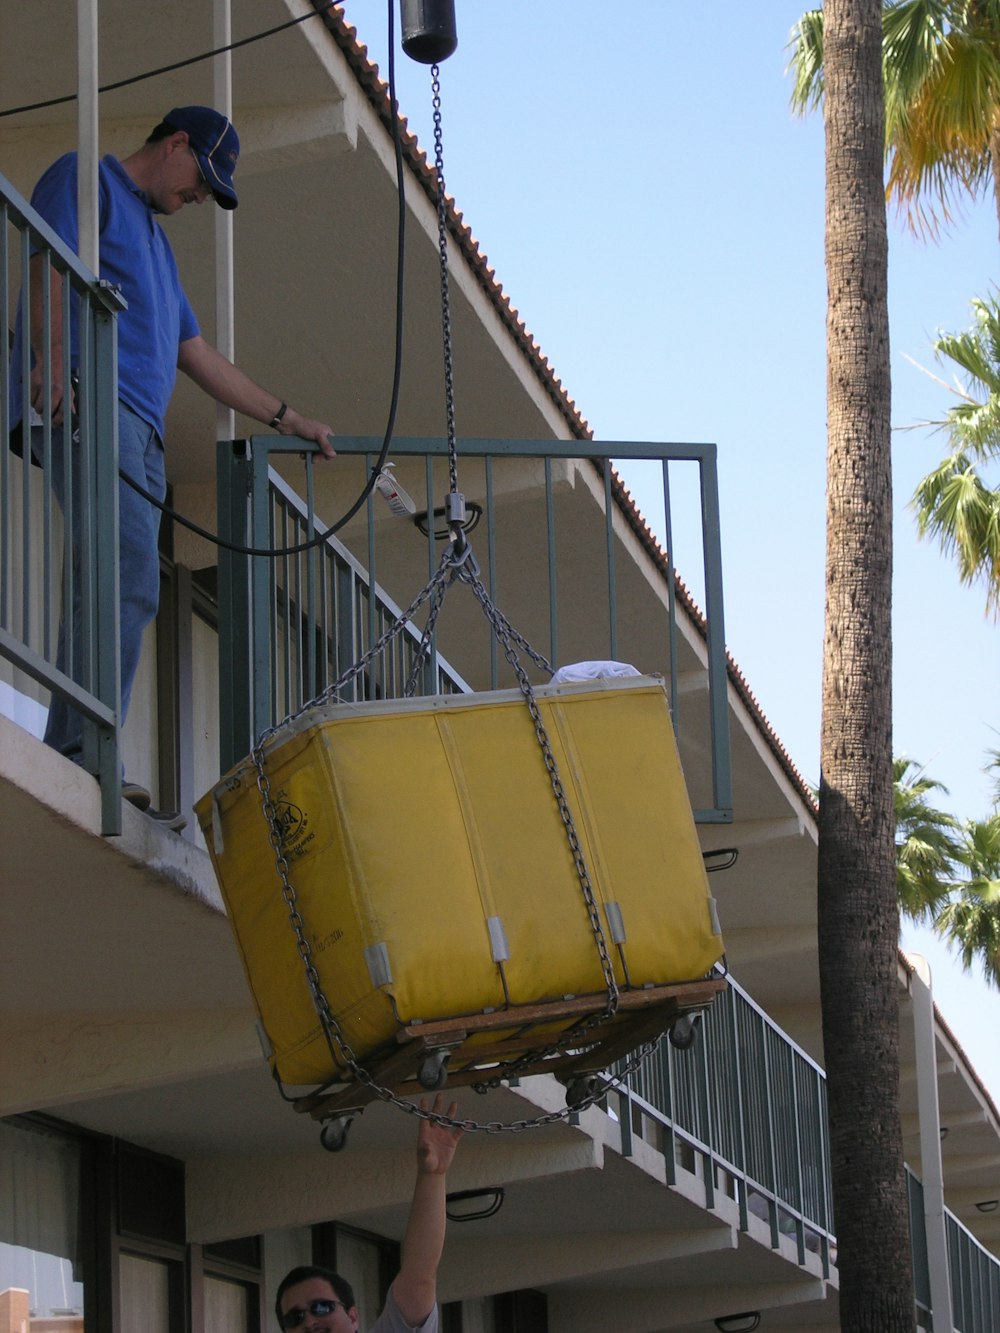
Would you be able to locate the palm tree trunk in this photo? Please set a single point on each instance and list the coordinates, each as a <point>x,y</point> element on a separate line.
<point>858,912</point>
<point>995,162</point>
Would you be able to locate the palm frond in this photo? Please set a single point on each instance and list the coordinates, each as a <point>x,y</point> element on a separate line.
<point>912,33</point>
<point>953,504</point>
<point>941,81</point>
<point>970,922</point>
<point>948,107</point>
<point>806,64</point>
<point>926,843</point>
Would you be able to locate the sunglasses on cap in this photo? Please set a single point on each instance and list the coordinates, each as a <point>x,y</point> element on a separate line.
<point>296,1316</point>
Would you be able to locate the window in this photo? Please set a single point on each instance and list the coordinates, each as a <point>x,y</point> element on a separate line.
<point>231,1287</point>
<point>227,1305</point>
<point>146,1289</point>
<point>41,1268</point>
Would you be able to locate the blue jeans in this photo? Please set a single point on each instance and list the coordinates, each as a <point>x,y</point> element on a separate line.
<point>140,456</point>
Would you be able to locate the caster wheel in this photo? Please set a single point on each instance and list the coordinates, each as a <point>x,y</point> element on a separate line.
<point>433,1071</point>
<point>333,1135</point>
<point>579,1089</point>
<point>684,1031</point>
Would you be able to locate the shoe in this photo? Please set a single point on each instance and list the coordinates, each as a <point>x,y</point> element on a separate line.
<point>136,795</point>
<point>168,819</point>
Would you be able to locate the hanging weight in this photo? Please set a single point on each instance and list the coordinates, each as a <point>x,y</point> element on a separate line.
<point>429,32</point>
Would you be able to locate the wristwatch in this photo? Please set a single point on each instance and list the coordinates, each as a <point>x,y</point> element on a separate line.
<point>276,419</point>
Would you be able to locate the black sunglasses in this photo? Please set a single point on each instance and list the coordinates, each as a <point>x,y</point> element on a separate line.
<point>296,1315</point>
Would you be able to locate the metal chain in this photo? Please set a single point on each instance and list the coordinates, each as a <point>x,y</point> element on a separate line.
<point>470,574</point>
<point>456,563</point>
<point>427,638</point>
<point>442,211</point>
<point>441,575</point>
<point>337,1042</point>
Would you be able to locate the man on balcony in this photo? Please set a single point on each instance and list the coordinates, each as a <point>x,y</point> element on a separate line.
<point>188,158</point>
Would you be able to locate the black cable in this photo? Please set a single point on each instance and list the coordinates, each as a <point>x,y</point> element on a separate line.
<point>322,537</point>
<point>178,64</point>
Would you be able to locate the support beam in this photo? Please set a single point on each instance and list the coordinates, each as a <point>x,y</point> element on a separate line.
<point>651,1310</point>
<point>225,319</point>
<point>945,1068</point>
<point>87,133</point>
<point>275,138</point>
<point>964,1200</point>
<point>64,1058</point>
<point>957,1164</point>
<point>501,1263</point>
<point>751,943</point>
<point>238,1196</point>
<point>761,832</point>
<point>691,682</point>
<point>963,1120</point>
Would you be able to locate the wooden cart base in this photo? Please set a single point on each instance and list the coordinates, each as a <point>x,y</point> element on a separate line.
<point>524,1039</point>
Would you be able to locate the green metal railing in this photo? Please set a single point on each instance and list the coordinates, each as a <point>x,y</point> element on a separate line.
<point>973,1271</point>
<point>307,617</point>
<point>50,555</point>
<point>745,1108</point>
<point>918,1248</point>
<point>975,1281</point>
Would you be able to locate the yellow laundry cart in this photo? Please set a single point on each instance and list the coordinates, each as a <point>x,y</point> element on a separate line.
<point>439,897</point>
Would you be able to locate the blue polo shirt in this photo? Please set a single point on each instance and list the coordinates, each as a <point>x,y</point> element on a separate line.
<point>135,256</point>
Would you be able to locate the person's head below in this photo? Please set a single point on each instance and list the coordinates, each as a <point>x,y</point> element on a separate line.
<point>315,1300</point>
<point>188,158</point>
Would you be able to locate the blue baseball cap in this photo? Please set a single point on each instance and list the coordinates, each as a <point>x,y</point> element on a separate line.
<point>214,143</point>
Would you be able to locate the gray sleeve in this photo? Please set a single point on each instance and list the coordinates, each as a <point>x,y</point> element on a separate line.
<point>391,1321</point>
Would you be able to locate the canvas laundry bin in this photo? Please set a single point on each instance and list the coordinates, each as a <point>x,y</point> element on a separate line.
<point>431,866</point>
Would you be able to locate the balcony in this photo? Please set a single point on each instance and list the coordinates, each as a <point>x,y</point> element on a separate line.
<point>38,576</point>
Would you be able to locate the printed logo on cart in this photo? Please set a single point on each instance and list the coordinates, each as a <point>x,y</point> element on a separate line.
<point>292,825</point>
<point>320,945</point>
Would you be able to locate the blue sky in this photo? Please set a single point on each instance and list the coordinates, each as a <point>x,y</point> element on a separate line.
<point>655,213</point>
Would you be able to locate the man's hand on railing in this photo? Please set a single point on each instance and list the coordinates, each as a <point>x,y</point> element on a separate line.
<point>294,423</point>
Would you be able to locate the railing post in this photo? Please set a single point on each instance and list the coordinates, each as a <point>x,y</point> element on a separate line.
<point>344,627</point>
<point>625,1118</point>
<point>263,627</point>
<point>234,604</point>
<point>722,793</point>
<point>728,1000</point>
<point>609,555</point>
<point>665,1056</point>
<point>107,685</point>
<point>772,1163</point>
<point>550,548</point>
<point>671,573</point>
